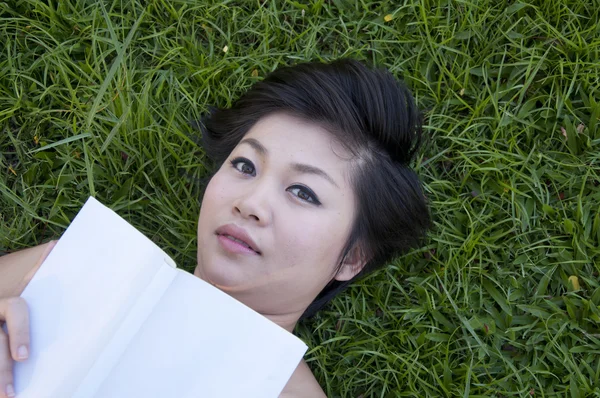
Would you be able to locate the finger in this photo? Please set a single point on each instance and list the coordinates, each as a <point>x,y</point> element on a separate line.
<point>6,368</point>
<point>15,312</point>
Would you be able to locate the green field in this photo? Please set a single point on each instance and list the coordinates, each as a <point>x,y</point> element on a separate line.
<point>504,299</point>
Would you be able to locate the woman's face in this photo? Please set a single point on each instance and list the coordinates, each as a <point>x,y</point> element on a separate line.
<point>284,191</point>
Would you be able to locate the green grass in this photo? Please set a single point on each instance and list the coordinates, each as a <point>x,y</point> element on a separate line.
<point>95,100</point>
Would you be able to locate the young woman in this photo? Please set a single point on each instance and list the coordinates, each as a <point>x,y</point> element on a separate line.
<point>313,190</point>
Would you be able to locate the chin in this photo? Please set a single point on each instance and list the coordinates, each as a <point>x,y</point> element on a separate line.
<point>223,276</point>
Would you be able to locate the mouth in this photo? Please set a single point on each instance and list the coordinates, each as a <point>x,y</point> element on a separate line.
<point>234,238</point>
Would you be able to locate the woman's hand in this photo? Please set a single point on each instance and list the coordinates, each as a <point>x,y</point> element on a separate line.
<point>14,345</point>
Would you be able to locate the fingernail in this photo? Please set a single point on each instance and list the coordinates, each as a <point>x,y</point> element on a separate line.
<point>10,391</point>
<point>22,352</point>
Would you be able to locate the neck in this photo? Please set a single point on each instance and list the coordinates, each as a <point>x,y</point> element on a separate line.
<point>286,321</point>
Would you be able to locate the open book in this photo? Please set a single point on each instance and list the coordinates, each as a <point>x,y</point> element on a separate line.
<point>111,316</point>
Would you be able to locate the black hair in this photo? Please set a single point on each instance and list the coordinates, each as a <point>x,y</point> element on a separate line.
<point>375,117</point>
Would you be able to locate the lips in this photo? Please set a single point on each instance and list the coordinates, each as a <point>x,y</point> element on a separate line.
<point>237,235</point>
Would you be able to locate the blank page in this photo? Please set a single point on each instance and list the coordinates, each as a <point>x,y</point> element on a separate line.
<point>78,297</point>
<point>200,342</point>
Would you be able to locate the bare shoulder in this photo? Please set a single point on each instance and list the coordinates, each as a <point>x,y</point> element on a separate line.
<point>302,384</point>
<point>18,268</point>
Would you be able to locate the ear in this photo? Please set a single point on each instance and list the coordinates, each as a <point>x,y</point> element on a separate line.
<point>352,264</point>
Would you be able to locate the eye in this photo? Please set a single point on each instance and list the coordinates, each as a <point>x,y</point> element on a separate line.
<point>244,166</point>
<point>304,193</point>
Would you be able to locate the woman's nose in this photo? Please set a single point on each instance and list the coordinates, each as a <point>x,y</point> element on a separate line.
<point>253,204</point>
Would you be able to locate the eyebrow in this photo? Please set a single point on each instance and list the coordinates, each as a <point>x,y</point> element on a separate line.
<point>258,147</point>
<point>307,169</point>
<point>298,167</point>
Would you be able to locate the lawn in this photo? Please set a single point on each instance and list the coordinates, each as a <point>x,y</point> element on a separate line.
<point>504,299</point>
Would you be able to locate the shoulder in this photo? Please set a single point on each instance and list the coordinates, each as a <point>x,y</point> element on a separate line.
<point>17,269</point>
<point>302,384</point>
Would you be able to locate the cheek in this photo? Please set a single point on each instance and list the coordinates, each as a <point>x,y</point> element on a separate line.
<point>215,193</point>
<point>313,242</point>
<point>213,198</point>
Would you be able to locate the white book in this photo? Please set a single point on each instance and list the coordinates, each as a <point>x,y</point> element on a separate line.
<point>111,316</point>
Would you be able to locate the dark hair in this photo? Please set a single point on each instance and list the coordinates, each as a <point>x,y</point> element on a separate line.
<point>375,118</point>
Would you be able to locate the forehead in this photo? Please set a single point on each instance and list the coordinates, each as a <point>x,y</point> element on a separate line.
<point>297,140</point>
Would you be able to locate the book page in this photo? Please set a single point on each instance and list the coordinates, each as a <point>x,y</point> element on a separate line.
<point>126,332</point>
<point>200,342</point>
<point>78,297</point>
